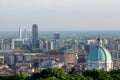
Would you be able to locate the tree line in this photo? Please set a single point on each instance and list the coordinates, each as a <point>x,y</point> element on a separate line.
<point>60,74</point>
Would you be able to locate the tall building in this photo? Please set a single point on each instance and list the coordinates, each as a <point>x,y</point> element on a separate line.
<point>1,43</point>
<point>35,41</point>
<point>44,44</point>
<point>56,39</point>
<point>61,43</point>
<point>20,32</point>
<point>34,31</point>
<point>74,45</point>
<point>25,34</point>
<point>50,45</point>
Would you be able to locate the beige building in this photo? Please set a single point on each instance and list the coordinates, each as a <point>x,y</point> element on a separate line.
<point>70,59</point>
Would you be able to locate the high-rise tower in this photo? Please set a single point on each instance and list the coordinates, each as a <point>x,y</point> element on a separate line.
<point>56,39</point>
<point>35,41</point>
<point>20,32</point>
<point>34,31</point>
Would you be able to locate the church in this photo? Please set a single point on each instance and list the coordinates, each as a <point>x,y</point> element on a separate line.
<point>99,58</point>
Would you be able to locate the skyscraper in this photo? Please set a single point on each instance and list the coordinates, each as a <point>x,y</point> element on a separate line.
<point>25,34</point>
<point>34,31</point>
<point>35,41</point>
<point>20,32</point>
<point>56,39</point>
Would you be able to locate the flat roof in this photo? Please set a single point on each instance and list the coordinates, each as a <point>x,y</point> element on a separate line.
<point>6,51</point>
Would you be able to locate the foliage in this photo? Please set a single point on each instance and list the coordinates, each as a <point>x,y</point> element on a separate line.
<point>50,73</point>
<point>36,50</point>
<point>97,74</point>
<point>60,74</point>
<point>14,77</point>
<point>26,48</point>
<point>56,51</point>
<point>73,71</point>
<point>84,52</point>
<point>36,62</point>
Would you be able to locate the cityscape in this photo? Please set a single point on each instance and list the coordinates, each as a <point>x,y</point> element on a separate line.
<point>23,54</point>
<point>59,40</point>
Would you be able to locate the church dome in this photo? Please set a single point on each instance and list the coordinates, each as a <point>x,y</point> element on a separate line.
<point>99,58</point>
<point>99,54</point>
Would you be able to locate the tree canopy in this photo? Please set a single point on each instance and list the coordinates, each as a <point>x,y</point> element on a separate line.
<point>60,74</point>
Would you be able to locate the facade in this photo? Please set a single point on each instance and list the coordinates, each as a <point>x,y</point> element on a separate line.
<point>1,43</point>
<point>50,45</point>
<point>17,43</point>
<point>90,41</point>
<point>35,41</point>
<point>116,58</point>
<point>6,54</point>
<point>61,43</point>
<point>89,45</point>
<point>44,44</point>
<point>34,31</point>
<point>5,44</point>
<point>20,58</point>
<point>74,45</point>
<point>70,57</point>
<point>20,32</point>
<point>99,58</point>
<point>56,39</point>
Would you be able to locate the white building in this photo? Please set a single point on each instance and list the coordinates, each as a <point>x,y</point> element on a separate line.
<point>16,43</point>
<point>20,32</point>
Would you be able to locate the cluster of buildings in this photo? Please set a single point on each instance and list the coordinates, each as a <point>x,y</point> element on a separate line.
<point>83,55</point>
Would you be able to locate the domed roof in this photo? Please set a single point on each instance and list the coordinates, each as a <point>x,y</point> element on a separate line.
<point>99,54</point>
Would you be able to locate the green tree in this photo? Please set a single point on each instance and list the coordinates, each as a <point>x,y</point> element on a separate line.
<point>60,74</point>
<point>52,78</point>
<point>36,62</point>
<point>49,72</point>
<point>36,50</point>
<point>73,71</point>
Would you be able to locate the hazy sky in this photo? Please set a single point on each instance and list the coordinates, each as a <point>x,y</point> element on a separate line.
<point>60,14</point>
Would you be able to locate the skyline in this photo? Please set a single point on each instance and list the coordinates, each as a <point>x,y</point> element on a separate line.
<point>63,15</point>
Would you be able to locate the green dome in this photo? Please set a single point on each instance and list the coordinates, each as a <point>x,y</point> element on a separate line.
<point>99,54</point>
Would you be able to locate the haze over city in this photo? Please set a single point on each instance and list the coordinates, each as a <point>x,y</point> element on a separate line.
<point>60,14</point>
<point>59,40</point>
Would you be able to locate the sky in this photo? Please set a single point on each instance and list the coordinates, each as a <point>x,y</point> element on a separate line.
<point>62,15</point>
